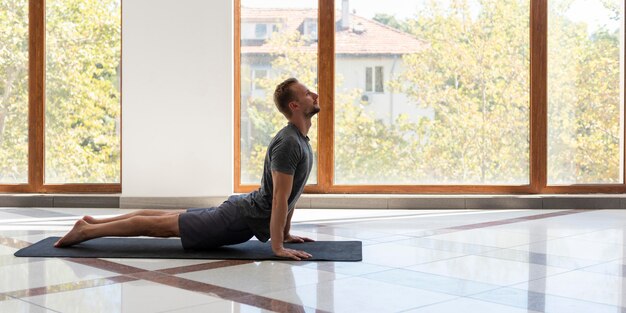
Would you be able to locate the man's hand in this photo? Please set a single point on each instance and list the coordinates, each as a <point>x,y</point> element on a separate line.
<point>296,239</point>
<point>292,254</point>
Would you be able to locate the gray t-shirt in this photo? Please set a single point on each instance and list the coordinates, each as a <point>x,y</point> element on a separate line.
<point>289,152</point>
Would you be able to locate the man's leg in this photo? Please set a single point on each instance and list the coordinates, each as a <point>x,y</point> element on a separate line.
<point>153,226</point>
<point>93,220</point>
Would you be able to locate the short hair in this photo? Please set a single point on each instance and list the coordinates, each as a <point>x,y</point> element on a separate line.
<point>284,94</point>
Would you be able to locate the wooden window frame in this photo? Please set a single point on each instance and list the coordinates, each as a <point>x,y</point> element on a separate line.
<point>36,115</point>
<point>326,58</point>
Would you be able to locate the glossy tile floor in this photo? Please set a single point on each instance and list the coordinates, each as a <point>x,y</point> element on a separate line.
<point>413,261</point>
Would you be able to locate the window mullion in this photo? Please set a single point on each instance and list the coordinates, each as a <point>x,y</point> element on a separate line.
<point>538,94</point>
<point>326,89</point>
<point>36,98</point>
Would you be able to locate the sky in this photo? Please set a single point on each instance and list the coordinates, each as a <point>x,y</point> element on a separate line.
<point>589,11</point>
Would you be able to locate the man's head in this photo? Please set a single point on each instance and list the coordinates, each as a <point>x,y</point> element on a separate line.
<point>291,96</point>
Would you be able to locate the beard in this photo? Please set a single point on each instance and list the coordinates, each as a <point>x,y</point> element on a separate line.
<point>313,111</point>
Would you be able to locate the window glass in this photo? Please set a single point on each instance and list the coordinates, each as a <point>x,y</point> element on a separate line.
<point>287,52</point>
<point>261,31</point>
<point>451,92</point>
<point>585,91</point>
<point>13,91</point>
<point>82,109</point>
<point>379,79</point>
<point>368,79</point>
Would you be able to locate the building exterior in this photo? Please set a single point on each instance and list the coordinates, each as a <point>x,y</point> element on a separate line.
<point>368,56</point>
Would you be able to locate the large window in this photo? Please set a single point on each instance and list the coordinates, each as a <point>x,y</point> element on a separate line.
<point>290,50</point>
<point>454,111</point>
<point>60,95</point>
<point>585,92</point>
<point>14,92</point>
<point>478,96</point>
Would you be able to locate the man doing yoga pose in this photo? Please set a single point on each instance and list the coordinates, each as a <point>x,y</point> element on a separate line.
<point>263,213</point>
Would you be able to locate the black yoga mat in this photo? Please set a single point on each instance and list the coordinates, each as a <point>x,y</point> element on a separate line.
<point>160,248</point>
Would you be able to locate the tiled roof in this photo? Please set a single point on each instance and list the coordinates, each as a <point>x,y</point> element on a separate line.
<point>364,37</point>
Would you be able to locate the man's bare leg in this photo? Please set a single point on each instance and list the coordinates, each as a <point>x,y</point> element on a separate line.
<point>153,226</point>
<point>93,220</point>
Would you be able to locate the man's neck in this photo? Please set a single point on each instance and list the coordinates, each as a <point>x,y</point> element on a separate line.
<point>303,124</point>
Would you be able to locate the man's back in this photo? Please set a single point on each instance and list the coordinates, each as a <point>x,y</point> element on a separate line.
<point>289,152</point>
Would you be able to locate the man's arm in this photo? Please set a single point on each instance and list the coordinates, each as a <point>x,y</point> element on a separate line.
<point>287,226</point>
<point>282,189</point>
<point>287,237</point>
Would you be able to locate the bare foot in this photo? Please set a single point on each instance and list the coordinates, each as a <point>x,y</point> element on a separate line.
<point>90,219</point>
<point>74,236</point>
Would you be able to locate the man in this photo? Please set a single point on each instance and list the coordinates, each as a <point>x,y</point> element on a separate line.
<point>263,213</point>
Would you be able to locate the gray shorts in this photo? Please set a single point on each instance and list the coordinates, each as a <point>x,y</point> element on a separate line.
<point>208,228</point>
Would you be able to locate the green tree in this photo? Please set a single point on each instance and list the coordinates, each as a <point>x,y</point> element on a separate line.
<point>474,74</point>
<point>390,20</point>
<point>14,91</point>
<point>584,98</point>
<point>83,53</point>
<point>291,56</point>
<point>359,135</point>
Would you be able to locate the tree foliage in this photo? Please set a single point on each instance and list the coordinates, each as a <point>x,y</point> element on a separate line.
<point>290,58</point>
<point>474,75</point>
<point>14,91</point>
<point>583,98</point>
<point>82,108</point>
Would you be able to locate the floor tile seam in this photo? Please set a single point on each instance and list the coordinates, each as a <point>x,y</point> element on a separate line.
<point>590,241</point>
<point>190,306</point>
<point>507,221</point>
<point>67,287</point>
<point>536,263</point>
<point>92,264</point>
<point>438,291</point>
<point>488,248</point>
<point>455,299</point>
<point>38,305</point>
<point>452,229</point>
<point>549,254</point>
<point>11,243</point>
<point>98,264</point>
<point>445,230</point>
<point>622,309</point>
<point>488,283</point>
<point>601,263</point>
<point>622,264</point>
<point>528,262</point>
<point>510,286</point>
<point>505,303</point>
<point>292,307</point>
<point>353,220</point>
<point>445,259</point>
<point>222,292</point>
<point>258,296</point>
<point>358,275</point>
<point>202,266</point>
<point>345,277</point>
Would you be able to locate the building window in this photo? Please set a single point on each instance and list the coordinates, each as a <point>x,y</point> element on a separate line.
<point>260,31</point>
<point>374,83</point>
<point>257,76</point>
<point>310,28</point>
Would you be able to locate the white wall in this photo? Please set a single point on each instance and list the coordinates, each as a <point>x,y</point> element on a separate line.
<point>177,125</point>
